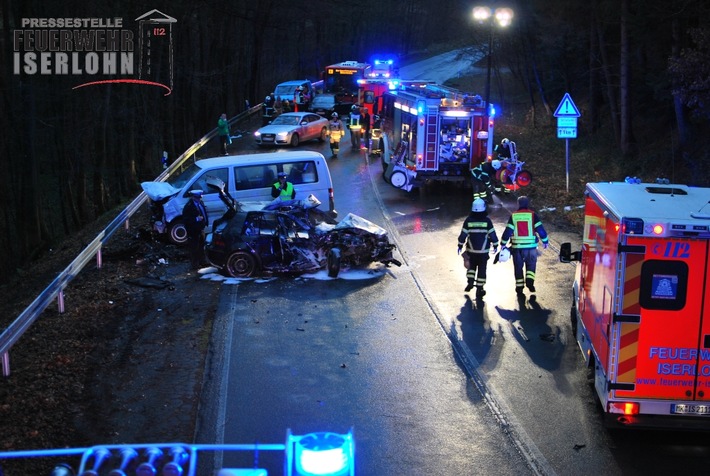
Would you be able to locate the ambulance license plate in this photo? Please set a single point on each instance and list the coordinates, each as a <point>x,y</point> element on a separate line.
<point>685,409</point>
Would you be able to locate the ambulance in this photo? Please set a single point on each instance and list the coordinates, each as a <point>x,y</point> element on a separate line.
<point>641,302</point>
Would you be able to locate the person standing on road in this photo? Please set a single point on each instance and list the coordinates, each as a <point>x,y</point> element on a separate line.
<point>195,216</point>
<point>223,132</point>
<point>336,131</point>
<point>483,174</point>
<point>524,230</point>
<point>282,188</point>
<point>355,126</point>
<point>366,126</point>
<point>478,235</point>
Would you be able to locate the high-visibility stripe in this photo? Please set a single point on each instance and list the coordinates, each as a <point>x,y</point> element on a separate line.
<point>632,284</point>
<point>628,353</point>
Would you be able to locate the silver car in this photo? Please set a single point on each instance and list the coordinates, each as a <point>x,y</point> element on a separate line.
<point>292,128</point>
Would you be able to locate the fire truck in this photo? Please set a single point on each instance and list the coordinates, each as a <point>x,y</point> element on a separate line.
<point>641,302</point>
<point>438,133</point>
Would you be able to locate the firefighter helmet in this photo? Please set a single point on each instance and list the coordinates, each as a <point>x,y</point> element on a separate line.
<point>496,164</point>
<point>334,115</point>
<point>479,205</point>
<point>505,142</point>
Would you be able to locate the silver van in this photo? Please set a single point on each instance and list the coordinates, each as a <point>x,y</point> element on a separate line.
<point>287,89</point>
<point>246,177</point>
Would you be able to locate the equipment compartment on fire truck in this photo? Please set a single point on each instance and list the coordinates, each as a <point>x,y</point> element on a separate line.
<point>437,132</point>
<point>641,306</point>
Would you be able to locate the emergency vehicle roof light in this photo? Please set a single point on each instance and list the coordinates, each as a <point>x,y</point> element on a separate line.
<point>323,454</point>
<point>421,107</point>
<point>632,226</point>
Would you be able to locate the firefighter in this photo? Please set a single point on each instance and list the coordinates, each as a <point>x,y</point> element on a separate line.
<point>355,126</point>
<point>483,175</point>
<point>504,149</point>
<point>336,131</point>
<point>523,231</point>
<point>507,153</point>
<point>478,235</point>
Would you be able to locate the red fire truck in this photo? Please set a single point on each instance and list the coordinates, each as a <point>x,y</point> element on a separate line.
<point>641,302</point>
<point>438,134</point>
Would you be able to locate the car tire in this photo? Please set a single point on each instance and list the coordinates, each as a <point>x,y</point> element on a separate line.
<point>295,140</point>
<point>333,262</point>
<point>177,233</point>
<point>323,135</point>
<point>241,264</point>
<point>398,179</point>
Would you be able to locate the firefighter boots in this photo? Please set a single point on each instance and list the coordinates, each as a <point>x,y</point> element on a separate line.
<point>469,286</point>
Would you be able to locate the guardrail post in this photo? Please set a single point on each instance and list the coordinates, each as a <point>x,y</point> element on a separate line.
<point>99,259</point>
<point>6,364</point>
<point>60,301</point>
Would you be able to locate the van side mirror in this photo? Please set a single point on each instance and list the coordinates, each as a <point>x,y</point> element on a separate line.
<point>566,254</point>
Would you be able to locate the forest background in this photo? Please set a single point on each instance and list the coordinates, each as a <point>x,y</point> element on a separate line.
<point>638,71</point>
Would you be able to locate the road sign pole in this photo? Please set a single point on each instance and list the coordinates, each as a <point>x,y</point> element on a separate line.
<point>567,162</point>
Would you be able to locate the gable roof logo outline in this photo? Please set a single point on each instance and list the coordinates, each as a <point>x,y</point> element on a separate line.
<point>567,108</point>
<point>159,17</point>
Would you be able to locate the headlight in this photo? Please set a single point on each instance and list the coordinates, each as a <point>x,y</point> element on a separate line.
<point>257,134</point>
<point>282,135</point>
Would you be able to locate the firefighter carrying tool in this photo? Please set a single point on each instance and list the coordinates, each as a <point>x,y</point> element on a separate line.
<point>641,307</point>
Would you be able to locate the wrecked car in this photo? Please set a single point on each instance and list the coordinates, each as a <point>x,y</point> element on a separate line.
<point>294,236</point>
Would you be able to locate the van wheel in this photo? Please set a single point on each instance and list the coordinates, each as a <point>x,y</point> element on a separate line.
<point>398,179</point>
<point>333,262</point>
<point>323,135</point>
<point>240,265</point>
<point>295,140</point>
<point>177,232</point>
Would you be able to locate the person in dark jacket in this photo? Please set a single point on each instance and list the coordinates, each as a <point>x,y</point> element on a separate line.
<point>524,230</point>
<point>195,217</point>
<point>478,236</point>
<point>483,175</point>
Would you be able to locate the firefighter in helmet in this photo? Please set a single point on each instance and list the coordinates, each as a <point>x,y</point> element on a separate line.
<point>336,131</point>
<point>483,176</point>
<point>355,126</point>
<point>479,236</point>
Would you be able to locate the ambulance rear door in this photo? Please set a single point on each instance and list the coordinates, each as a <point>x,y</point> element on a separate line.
<point>662,326</point>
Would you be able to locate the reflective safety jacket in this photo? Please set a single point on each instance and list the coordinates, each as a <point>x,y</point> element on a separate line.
<point>524,229</point>
<point>484,172</point>
<point>335,131</point>
<point>355,122</point>
<point>478,233</point>
<point>286,193</point>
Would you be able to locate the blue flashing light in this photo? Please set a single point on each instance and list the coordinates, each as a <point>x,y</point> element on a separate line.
<point>421,107</point>
<point>324,454</point>
<point>491,110</point>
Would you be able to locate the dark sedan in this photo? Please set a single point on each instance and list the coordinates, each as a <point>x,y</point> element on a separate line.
<point>294,239</point>
<point>325,104</point>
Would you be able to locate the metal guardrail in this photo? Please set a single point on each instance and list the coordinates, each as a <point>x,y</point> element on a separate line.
<point>56,289</point>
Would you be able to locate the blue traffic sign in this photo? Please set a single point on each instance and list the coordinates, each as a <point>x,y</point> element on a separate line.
<point>567,108</point>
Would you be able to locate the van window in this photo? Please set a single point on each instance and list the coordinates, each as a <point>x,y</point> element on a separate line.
<point>249,177</point>
<point>201,182</point>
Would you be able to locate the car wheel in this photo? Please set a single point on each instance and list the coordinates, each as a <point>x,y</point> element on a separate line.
<point>323,135</point>
<point>398,179</point>
<point>334,262</point>
<point>241,265</point>
<point>177,232</point>
<point>295,140</point>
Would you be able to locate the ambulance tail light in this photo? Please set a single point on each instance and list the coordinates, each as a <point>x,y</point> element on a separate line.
<point>624,408</point>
